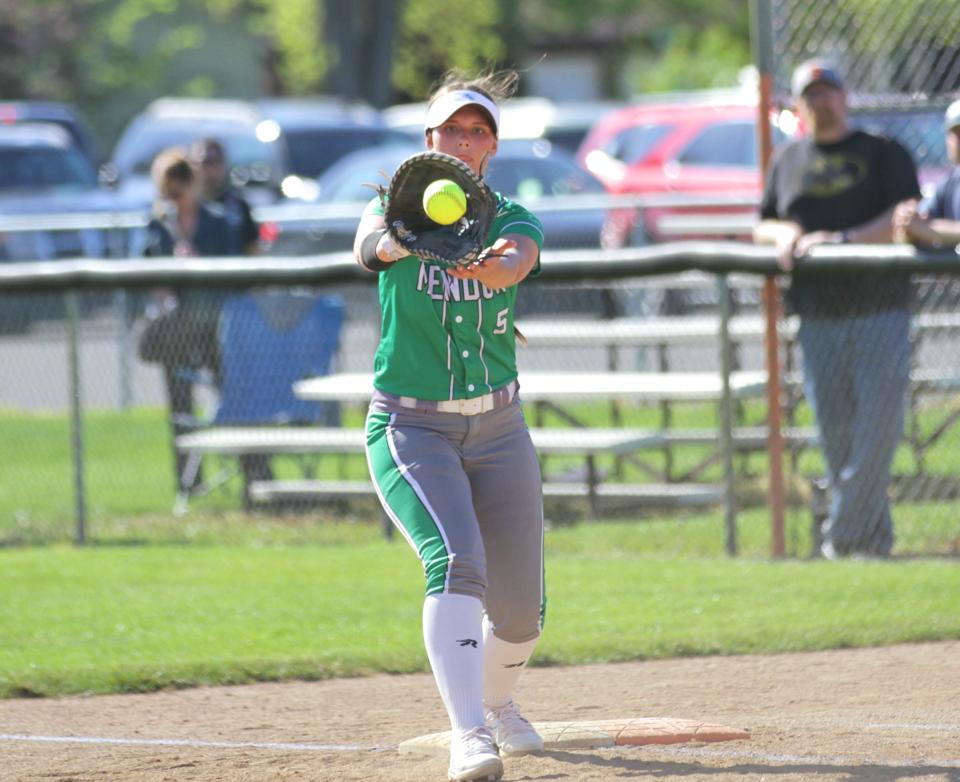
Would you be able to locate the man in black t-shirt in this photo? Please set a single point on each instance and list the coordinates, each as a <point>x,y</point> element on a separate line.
<point>839,185</point>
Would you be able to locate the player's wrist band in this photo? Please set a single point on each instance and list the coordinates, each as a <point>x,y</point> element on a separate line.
<point>368,252</point>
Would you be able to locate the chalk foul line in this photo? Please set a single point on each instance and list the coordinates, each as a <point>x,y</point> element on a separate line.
<point>295,747</point>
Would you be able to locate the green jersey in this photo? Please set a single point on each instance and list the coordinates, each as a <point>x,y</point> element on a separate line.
<point>445,338</point>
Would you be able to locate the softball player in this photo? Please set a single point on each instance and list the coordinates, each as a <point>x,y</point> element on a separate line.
<point>448,448</point>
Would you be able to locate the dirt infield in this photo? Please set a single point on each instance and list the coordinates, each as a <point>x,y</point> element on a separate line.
<point>870,714</point>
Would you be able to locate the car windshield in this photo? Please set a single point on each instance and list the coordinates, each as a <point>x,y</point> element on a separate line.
<point>136,151</point>
<point>633,144</point>
<point>530,177</point>
<point>726,144</point>
<point>354,177</point>
<point>314,150</point>
<point>566,138</point>
<point>25,167</point>
<point>723,144</point>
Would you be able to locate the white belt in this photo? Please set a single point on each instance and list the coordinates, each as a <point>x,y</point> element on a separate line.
<point>478,404</point>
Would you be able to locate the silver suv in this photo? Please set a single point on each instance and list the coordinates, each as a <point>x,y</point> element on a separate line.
<point>255,147</point>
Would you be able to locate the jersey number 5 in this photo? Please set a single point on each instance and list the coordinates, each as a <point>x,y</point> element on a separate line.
<point>501,322</point>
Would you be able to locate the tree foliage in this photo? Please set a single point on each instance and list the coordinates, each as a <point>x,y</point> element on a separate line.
<point>692,59</point>
<point>466,35</point>
<point>85,48</point>
<point>111,56</point>
<point>293,33</point>
<point>37,45</point>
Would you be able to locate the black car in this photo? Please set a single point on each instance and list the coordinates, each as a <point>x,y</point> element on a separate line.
<point>530,172</point>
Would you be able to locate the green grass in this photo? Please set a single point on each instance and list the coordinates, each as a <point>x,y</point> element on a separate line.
<point>220,596</point>
<point>121,619</point>
<point>129,477</point>
<point>129,486</point>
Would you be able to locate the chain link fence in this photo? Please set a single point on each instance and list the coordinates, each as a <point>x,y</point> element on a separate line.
<point>901,66</point>
<point>135,480</point>
<point>900,61</point>
<point>888,50</point>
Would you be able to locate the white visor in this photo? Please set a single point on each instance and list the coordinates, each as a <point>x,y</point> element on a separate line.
<point>449,103</point>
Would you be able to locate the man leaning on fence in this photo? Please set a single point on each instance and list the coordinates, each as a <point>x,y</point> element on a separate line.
<point>935,221</point>
<point>837,185</point>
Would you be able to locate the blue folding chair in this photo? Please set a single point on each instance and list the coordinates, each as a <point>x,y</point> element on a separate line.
<point>268,341</point>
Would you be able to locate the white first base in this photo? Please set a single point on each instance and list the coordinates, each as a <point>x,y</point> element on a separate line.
<point>594,734</point>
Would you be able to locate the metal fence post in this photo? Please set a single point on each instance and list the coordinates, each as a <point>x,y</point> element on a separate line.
<point>761,34</point>
<point>726,417</point>
<point>122,314</point>
<point>76,418</point>
<point>121,311</point>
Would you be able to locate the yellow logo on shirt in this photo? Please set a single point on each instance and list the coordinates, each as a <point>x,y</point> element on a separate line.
<point>831,175</point>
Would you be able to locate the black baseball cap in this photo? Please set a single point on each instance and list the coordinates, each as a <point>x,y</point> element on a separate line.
<point>814,72</point>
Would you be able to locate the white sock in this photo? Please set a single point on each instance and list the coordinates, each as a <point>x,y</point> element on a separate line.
<point>503,662</point>
<point>453,635</point>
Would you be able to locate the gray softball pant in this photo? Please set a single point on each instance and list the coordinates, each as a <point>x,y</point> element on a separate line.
<point>465,491</point>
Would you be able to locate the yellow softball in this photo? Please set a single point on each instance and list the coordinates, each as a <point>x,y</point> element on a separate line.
<point>444,201</point>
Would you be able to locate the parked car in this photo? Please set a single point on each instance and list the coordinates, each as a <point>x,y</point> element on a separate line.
<point>531,172</point>
<point>254,144</point>
<point>44,175</point>
<point>697,145</point>
<point>328,222</point>
<point>527,171</point>
<point>319,131</point>
<point>563,124</point>
<point>42,172</point>
<point>60,114</point>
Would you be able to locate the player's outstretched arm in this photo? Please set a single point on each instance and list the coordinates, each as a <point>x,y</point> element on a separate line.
<point>506,262</point>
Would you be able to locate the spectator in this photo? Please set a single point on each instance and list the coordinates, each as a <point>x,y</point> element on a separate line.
<point>935,222</point>
<point>182,330</point>
<point>840,185</point>
<point>215,189</point>
<point>221,197</point>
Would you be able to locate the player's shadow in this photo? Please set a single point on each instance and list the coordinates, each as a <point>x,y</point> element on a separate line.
<point>627,768</point>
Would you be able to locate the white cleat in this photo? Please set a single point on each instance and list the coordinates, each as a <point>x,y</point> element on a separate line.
<point>473,756</point>
<point>513,734</point>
